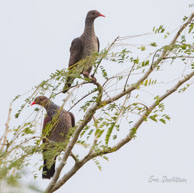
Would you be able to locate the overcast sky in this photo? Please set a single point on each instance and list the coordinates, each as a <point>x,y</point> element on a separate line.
<point>35,36</point>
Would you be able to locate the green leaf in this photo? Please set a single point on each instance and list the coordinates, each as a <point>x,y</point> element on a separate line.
<point>160,29</point>
<point>36,109</point>
<point>153,118</point>
<point>99,132</point>
<point>109,132</point>
<point>17,115</point>
<point>185,18</point>
<point>97,163</point>
<point>133,132</point>
<point>142,48</point>
<point>16,98</point>
<point>153,44</point>
<point>104,73</point>
<point>105,157</point>
<point>191,27</point>
<point>146,82</point>
<point>27,131</point>
<point>163,121</point>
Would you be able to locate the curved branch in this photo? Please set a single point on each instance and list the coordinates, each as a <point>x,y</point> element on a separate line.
<point>55,183</point>
<point>124,141</point>
<point>142,118</point>
<point>152,67</point>
<point>71,144</point>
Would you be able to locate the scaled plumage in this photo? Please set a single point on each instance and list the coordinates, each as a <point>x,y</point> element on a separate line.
<point>83,47</point>
<point>57,123</point>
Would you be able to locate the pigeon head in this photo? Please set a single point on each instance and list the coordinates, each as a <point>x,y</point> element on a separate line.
<point>41,100</point>
<point>93,14</point>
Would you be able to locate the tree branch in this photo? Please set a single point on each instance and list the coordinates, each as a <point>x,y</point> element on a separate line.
<point>152,67</point>
<point>74,157</point>
<point>54,184</point>
<point>124,141</point>
<point>76,167</point>
<point>142,118</point>
<point>71,144</point>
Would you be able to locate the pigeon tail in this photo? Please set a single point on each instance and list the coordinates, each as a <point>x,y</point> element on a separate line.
<point>48,173</point>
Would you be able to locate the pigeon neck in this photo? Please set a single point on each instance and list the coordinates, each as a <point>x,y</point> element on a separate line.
<point>89,27</point>
<point>51,109</point>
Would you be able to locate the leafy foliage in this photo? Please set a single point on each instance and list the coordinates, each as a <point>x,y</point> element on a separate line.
<point>119,102</point>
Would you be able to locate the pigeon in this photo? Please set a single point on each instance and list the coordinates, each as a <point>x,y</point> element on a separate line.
<point>56,125</point>
<point>83,47</point>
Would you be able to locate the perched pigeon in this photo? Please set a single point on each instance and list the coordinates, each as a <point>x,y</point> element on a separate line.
<point>83,47</point>
<point>57,123</point>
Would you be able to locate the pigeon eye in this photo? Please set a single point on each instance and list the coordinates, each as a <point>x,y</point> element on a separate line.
<point>93,13</point>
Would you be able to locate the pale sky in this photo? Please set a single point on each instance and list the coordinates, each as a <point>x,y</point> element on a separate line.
<point>35,37</point>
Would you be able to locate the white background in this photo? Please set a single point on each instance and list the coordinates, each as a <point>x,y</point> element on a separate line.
<point>35,37</point>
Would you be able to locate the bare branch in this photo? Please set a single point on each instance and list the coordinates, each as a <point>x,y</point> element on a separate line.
<point>128,77</point>
<point>74,157</point>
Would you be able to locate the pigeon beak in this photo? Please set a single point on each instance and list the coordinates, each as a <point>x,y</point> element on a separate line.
<point>101,15</point>
<point>33,103</point>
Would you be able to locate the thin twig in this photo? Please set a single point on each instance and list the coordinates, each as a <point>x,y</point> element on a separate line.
<point>174,57</point>
<point>77,85</point>
<point>81,99</point>
<point>4,138</point>
<point>128,77</point>
<point>108,49</point>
